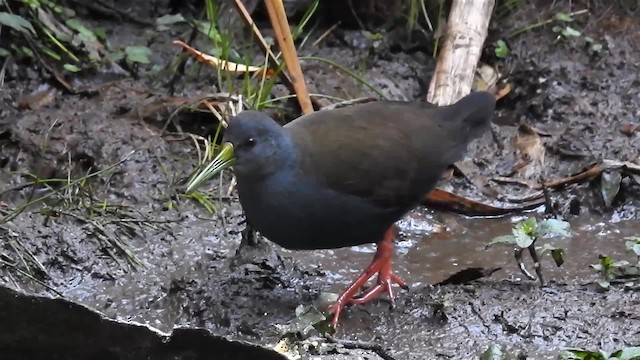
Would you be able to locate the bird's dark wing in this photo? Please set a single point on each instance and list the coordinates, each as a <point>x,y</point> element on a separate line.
<point>390,153</point>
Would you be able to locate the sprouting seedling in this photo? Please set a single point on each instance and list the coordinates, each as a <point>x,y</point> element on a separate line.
<point>610,269</point>
<point>526,233</point>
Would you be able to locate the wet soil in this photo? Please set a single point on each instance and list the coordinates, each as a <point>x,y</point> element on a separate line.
<point>194,275</point>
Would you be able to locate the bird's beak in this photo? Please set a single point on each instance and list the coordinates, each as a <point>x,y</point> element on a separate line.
<point>223,160</point>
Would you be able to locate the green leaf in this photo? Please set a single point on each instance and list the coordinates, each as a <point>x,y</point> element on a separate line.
<point>630,353</point>
<point>87,34</point>
<point>528,226</point>
<point>633,244</point>
<point>556,253</point>
<point>170,19</point>
<point>553,227</point>
<point>100,33</point>
<point>523,240</point>
<point>596,47</point>
<point>570,32</point>
<point>26,51</point>
<point>71,68</point>
<point>604,283</point>
<point>139,54</point>
<point>581,354</point>
<point>209,30</point>
<point>116,56</point>
<point>16,22</point>
<point>4,52</point>
<point>597,267</point>
<point>494,352</point>
<point>620,264</point>
<point>558,256</point>
<point>502,51</point>
<point>503,239</point>
<point>564,17</point>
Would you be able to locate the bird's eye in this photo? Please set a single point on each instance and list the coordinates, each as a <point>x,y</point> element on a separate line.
<point>250,142</point>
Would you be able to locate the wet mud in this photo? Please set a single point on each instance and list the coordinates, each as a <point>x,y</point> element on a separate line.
<point>194,273</point>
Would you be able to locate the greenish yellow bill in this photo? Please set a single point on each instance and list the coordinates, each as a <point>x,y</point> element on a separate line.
<point>224,159</point>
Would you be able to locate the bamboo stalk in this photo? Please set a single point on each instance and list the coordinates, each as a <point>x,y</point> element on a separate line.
<point>280,24</point>
<point>466,32</point>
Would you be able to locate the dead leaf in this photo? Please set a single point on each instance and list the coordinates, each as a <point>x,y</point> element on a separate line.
<point>485,78</point>
<point>628,128</point>
<point>37,99</point>
<point>529,152</point>
<point>216,62</point>
<point>502,91</point>
<point>610,186</point>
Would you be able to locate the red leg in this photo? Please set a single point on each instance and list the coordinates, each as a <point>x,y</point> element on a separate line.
<point>381,265</point>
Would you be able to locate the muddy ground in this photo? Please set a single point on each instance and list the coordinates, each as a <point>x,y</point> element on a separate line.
<point>192,273</point>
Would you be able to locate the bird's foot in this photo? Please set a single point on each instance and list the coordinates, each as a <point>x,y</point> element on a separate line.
<point>381,265</point>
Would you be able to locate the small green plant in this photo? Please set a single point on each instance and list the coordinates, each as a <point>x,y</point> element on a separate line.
<point>494,352</point>
<point>619,270</point>
<point>524,236</point>
<point>609,270</point>
<point>565,31</point>
<point>630,353</point>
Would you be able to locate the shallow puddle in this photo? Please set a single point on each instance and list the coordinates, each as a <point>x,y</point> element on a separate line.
<point>433,246</point>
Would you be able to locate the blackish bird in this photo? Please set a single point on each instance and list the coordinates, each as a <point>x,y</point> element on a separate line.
<point>344,177</point>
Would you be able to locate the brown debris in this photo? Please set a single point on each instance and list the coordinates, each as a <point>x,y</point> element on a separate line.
<point>530,152</point>
<point>37,99</point>
<point>628,128</point>
<point>453,202</point>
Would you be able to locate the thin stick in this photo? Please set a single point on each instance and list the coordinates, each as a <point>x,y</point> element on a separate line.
<point>325,34</point>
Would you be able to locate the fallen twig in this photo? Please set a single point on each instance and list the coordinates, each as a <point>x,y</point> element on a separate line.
<point>325,34</point>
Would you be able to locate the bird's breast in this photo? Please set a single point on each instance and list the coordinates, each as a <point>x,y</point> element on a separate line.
<point>298,214</point>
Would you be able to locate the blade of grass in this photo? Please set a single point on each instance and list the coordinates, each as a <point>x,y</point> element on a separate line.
<point>346,71</point>
<point>17,211</point>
